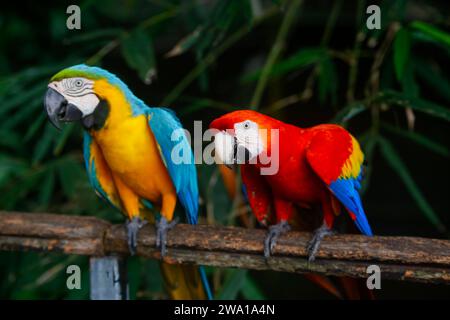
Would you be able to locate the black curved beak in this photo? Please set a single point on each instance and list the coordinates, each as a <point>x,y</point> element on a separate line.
<point>59,110</point>
<point>240,154</point>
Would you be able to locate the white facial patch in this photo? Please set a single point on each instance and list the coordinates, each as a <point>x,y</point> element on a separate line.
<point>224,148</point>
<point>79,92</point>
<point>86,103</point>
<point>247,134</point>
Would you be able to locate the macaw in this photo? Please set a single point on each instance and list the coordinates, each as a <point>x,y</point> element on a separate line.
<point>321,165</point>
<point>127,154</point>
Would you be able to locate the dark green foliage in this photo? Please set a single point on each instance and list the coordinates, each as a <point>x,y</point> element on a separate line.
<point>295,60</point>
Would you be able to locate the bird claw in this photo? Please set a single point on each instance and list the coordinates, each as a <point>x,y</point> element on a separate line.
<point>314,243</point>
<point>272,236</point>
<point>133,227</point>
<point>162,227</point>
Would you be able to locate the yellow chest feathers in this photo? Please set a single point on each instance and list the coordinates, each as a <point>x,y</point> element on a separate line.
<point>128,144</point>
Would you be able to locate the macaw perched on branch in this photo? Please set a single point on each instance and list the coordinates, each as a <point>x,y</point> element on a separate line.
<point>321,165</point>
<point>127,151</point>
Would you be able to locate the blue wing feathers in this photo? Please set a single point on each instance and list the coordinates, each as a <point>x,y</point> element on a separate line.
<point>346,191</point>
<point>184,175</point>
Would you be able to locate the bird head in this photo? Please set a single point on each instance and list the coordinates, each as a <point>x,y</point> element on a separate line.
<point>242,136</point>
<point>81,93</point>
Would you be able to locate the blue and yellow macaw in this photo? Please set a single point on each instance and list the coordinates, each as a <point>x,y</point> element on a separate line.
<point>127,152</point>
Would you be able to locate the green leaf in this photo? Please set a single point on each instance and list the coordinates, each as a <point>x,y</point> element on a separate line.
<point>224,17</point>
<point>34,127</point>
<point>10,166</point>
<point>62,138</point>
<point>388,78</point>
<point>70,172</point>
<point>185,44</point>
<point>27,184</point>
<point>395,98</point>
<point>251,291</point>
<point>433,77</point>
<point>419,139</point>
<point>97,34</point>
<point>203,78</point>
<point>33,73</point>
<point>153,276</point>
<point>194,104</point>
<point>23,114</point>
<point>44,144</point>
<point>402,48</point>
<point>10,139</point>
<point>134,266</point>
<point>33,94</point>
<point>301,59</point>
<point>233,284</point>
<point>396,163</point>
<point>137,49</point>
<point>349,112</point>
<point>409,84</point>
<point>433,32</point>
<point>46,189</point>
<point>327,81</point>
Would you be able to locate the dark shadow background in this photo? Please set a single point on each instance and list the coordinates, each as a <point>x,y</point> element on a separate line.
<point>406,187</point>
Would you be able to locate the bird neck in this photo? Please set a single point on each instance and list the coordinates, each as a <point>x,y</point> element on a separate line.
<point>118,102</point>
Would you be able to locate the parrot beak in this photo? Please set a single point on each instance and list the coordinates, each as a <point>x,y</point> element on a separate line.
<point>241,154</point>
<point>59,110</point>
<point>224,145</point>
<point>228,151</point>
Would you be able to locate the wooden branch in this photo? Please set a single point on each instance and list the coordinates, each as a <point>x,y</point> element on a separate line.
<point>400,258</point>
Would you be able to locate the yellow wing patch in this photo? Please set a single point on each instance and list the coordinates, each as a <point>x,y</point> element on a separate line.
<point>352,167</point>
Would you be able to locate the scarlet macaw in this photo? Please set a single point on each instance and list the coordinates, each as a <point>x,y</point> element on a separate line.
<point>127,153</point>
<point>319,165</point>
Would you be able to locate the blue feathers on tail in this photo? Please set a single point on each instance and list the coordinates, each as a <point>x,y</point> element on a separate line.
<point>346,192</point>
<point>164,125</point>
<point>363,225</point>
<point>205,282</point>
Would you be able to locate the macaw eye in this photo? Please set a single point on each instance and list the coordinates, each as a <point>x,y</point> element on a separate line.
<point>246,125</point>
<point>78,83</point>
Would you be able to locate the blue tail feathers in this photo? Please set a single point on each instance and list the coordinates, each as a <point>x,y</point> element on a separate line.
<point>363,224</point>
<point>346,191</point>
<point>205,282</point>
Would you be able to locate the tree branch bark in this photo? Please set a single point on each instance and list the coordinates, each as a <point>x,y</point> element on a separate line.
<point>399,258</point>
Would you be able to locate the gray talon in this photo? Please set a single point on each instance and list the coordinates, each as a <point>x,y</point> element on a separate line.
<point>314,243</point>
<point>162,227</point>
<point>272,236</point>
<point>133,227</point>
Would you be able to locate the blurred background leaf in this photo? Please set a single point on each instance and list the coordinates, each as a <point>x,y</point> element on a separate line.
<point>137,49</point>
<point>399,167</point>
<point>402,48</point>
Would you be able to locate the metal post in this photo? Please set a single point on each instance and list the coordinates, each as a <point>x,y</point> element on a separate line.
<point>108,278</point>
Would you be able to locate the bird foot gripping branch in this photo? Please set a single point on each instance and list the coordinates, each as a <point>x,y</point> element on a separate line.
<point>314,243</point>
<point>162,227</point>
<point>133,226</point>
<point>272,236</point>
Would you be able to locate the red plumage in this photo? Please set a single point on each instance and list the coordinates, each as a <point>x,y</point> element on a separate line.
<point>317,166</point>
<point>309,160</point>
